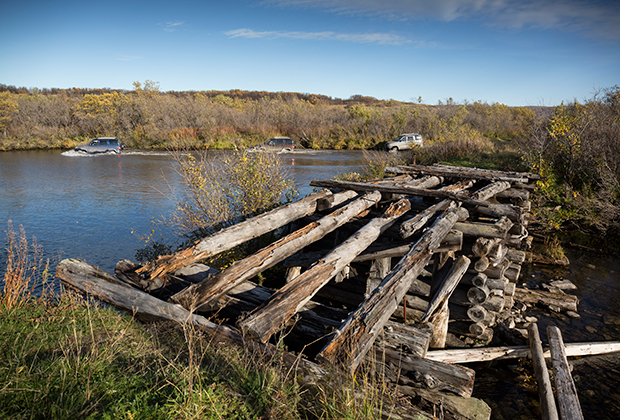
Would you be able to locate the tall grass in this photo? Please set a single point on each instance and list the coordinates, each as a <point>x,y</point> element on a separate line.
<point>25,270</point>
<point>72,358</point>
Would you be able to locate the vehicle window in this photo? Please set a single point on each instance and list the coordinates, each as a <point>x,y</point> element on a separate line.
<point>103,142</point>
<point>271,143</point>
<point>113,142</point>
<point>94,143</point>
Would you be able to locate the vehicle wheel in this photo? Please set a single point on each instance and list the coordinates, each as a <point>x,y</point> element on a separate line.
<point>394,149</point>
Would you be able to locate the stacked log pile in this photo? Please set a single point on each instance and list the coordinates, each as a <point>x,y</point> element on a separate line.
<point>376,271</point>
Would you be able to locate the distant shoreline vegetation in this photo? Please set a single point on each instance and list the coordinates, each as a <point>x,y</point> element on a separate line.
<point>150,119</point>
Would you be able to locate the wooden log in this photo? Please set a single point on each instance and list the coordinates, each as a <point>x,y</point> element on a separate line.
<point>545,391</point>
<point>490,190</point>
<point>513,272</point>
<point>411,226</point>
<point>485,230</point>
<point>498,254</point>
<point>451,407</point>
<point>509,290</point>
<point>390,189</point>
<point>539,297</point>
<point>460,172</point>
<point>453,241</point>
<point>515,213</point>
<point>485,354</point>
<point>498,271</point>
<point>357,334</point>
<point>378,270</point>
<point>481,264</point>
<point>235,235</point>
<point>286,302</point>
<point>498,284</point>
<point>292,272</point>
<point>446,286</point>
<point>494,304</point>
<point>437,376</point>
<point>477,328</point>
<point>478,295</point>
<point>95,282</point>
<point>242,270</point>
<point>515,194</point>
<point>462,328</point>
<point>478,313</point>
<point>568,401</point>
<point>334,200</point>
<point>439,318</point>
<point>515,255</point>
<point>483,246</point>
<point>414,338</point>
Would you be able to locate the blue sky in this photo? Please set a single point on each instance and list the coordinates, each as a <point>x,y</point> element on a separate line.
<point>517,52</point>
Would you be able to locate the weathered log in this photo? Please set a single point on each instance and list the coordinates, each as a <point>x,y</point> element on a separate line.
<point>497,211</point>
<point>535,297</point>
<point>485,230</point>
<point>462,328</point>
<point>568,401</point>
<point>292,272</point>
<point>498,254</point>
<point>485,354</point>
<point>439,318</point>
<point>478,295</point>
<point>494,304</point>
<point>379,268</point>
<point>477,328</point>
<point>358,332</point>
<point>411,226</point>
<point>481,264</point>
<point>490,190</point>
<point>483,246</point>
<point>498,271</point>
<point>453,241</point>
<point>235,235</point>
<point>452,407</point>
<point>516,255</point>
<point>446,286</point>
<point>478,313</point>
<point>414,338</point>
<point>95,282</point>
<point>545,391</point>
<point>426,374</point>
<point>515,194</point>
<point>509,290</point>
<point>273,314</point>
<point>498,284</point>
<point>391,189</point>
<point>335,200</point>
<point>245,269</point>
<point>460,172</point>
<point>513,272</point>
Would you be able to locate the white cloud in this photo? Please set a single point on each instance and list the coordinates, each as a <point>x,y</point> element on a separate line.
<point>172,26</point>
<point>595,18</point>
<point>369,38</point>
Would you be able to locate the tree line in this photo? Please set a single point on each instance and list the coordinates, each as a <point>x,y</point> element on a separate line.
<point>145,117</point>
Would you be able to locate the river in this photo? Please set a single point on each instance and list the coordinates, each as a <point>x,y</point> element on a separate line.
<point>97,208</point>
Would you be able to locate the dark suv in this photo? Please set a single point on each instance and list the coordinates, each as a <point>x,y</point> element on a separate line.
<point>102,145</point>
<point>278,144</point>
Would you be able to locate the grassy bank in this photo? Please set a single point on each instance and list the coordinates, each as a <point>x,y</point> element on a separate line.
<point>67,357</point>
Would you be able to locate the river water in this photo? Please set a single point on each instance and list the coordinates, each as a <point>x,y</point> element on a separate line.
<point>97,208</point>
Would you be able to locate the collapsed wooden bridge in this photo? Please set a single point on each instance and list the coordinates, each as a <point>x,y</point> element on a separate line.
<point>376,271</point>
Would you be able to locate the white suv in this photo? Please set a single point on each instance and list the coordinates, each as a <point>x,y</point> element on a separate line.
<point>404,142</point>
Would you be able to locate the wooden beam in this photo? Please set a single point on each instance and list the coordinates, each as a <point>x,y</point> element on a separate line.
<point>566,393</point>
<point>232,236</point>
<point>351,342</point>
<point>101,285</point>
<point>485,354</point>
<point>286,302</point>
<point>545,391</point>
<point>242,270</point>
